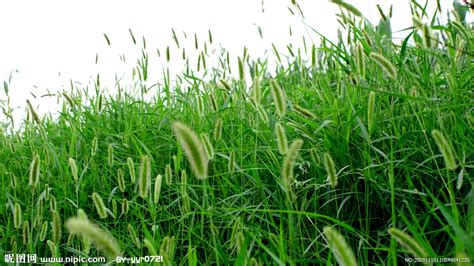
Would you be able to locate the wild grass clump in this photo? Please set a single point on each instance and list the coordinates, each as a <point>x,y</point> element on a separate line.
<point>361,133</point>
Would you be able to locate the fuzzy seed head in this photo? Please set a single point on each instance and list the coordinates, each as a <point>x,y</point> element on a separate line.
<point>110,151</point>
<point>330,169</point>
<point>386,65</point>
<point>103,241</point>
<point>193,148</point>
<point>339,247</point>
<point>282,141</point>
<point>279,98</point>
<point>131,169</point>
<point>43,231</point>
<point>371,110</point>
<point>95,146</point>
<point>446,150</point>
<point>73,167</point>
<point>304,112</point>
<point>256,92</point>
<point>121,180</point>
<point>208,145</point>
<point>34,171</point>
<point>288,163</point>
<point>125,206</point>
<point>262,113</point>
<point>157,190</point>
<point>144,176</point>
<point>52,203</point>
<point>133,235</point>
<point>57,225</point>
<point>99,205</point>
<point>360,60</point>
<point>348,7</point>
<point>408,242</point>
<point>17,215</point>
<point>26,233</point>
<point>231,165</point>
<point>218,129</point>
<point>168,174</point>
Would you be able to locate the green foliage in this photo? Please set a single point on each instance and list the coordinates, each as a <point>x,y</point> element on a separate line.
<point>390,127</point>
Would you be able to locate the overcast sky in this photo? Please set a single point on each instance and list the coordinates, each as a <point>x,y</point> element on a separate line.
<point>41,39</point>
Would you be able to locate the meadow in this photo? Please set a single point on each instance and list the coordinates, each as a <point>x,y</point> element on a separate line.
<point>357,151</point>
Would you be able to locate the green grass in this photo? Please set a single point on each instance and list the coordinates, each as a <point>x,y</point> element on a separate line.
<point>373,114</point>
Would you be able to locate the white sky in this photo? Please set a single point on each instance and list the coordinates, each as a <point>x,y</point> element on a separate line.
<point>44,38</point>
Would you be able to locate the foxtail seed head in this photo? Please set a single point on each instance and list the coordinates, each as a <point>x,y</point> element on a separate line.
<point>339,247</point>
<point>33,112</point>
<point>445,148</point>
<point>386,65</point>
<point>360,60</point>
<point>131,169</point>
<point>208,145</point>
<point>73,167</point>
<point>133,236</point>
<point>157,190</point>
<point>110,151</point>
<point>304,112</point>
<point>34,171</point>
<point>43,231</point>
<point>26,233</point>
<point>282,141</point>
<point>168,174</point>
<point>125,206</point>
<point>348,7</point>
<point>256,92</point>
<point>121,180</point>
<point>262,113</point>
<point>144,176</point>
<point>193,148</point>
<point>231,165</point>
<point>289,161</point>
<point>408,242</point>
<point>370,111</point>
<point>167,247</point>
<point>57,227</point>
<point>330,169</point>
<point>218,129</point>
<point>17,216</point>
<point>279,98</point>
<point>103,241</point>
<point>13,181</point>
<point>99,205</point>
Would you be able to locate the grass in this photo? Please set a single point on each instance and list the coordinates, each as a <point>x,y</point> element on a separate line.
<point>392,126</point>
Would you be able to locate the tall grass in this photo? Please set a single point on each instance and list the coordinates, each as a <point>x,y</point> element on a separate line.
<point>388,125</point>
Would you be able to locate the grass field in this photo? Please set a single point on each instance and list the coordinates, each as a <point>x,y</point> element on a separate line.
<point>358,151</point>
